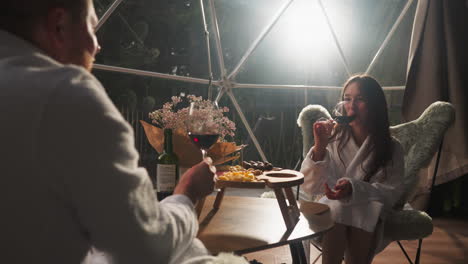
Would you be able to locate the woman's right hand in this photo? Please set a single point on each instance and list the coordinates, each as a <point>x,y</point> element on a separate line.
<point>322,132</point>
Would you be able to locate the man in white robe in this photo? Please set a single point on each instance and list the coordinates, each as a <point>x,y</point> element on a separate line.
<point>70,179</point>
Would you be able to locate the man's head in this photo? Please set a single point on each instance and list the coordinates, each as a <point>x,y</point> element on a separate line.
<point>63,29</point>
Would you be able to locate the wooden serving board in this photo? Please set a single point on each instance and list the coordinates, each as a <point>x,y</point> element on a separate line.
<point>272,179</point>
<point>282,178</point>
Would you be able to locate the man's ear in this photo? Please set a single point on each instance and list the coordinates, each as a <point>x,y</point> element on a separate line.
<point>57,30</point>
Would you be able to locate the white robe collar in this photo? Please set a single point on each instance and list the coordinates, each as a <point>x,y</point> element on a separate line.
<point>360,158</point>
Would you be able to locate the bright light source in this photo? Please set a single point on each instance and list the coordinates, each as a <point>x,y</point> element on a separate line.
<point>304,34</point>
<point>307,29</point>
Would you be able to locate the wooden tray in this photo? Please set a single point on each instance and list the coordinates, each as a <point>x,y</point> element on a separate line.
<point>272,179</point>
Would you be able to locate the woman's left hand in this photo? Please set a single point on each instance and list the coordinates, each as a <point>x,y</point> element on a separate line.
<point>342,189</point>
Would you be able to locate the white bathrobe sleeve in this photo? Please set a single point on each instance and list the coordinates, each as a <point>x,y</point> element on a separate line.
<point>86,140</point>
<point>315,173</point>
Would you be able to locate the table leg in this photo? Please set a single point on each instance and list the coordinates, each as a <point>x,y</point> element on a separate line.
<point>219,198</point>
<point>297,253</point>
<point>293,208</point>
<point>199,206</point>
<point>284,208</point>
<point>290,212</point>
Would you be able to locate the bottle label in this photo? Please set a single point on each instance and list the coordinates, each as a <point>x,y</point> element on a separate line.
<point>165,178</point>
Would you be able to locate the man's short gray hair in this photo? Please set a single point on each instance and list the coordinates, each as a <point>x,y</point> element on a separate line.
<point>19,17</point>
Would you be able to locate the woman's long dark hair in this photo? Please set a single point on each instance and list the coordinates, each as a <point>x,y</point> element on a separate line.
<point>380,142</point>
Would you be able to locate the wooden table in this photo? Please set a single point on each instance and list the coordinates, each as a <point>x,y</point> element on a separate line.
<point>281,181</point>
<point>248,224</point>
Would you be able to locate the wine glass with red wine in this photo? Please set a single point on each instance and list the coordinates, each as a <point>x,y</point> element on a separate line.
<point>339,114</point>
<point>202,127</point>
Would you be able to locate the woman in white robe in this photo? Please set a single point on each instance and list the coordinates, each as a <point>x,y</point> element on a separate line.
<point>358,168</point>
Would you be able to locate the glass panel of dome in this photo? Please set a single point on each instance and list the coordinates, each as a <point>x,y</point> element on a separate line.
<point>158,36</point>
<point>240,23</point>
<point>362,25</point>
<point>101,6</point>
<point>271,114</point>
<point>389,69</point>
<point>129,90</point>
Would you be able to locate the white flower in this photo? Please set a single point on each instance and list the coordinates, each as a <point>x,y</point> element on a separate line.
<point>207,115</point>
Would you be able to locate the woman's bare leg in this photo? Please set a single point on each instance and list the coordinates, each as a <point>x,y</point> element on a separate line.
<point>333,244</point>
<point>359,246</point>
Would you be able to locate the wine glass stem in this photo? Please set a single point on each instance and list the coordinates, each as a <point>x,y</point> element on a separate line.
<point>204,154</point>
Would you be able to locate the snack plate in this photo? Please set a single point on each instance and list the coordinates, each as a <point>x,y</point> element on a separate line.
<point>273,178</point>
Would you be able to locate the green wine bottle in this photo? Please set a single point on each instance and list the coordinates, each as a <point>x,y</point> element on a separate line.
<point>167,168</point>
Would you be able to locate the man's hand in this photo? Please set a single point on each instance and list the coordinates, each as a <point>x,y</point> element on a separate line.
<point>198,181</point>
<point>342,190</point>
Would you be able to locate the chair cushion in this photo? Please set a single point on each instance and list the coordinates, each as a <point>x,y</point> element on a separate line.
<point>408,225</point>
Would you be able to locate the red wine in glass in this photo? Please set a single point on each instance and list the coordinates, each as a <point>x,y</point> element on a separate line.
<point>344,119</point>
<point>340,116</point>
<point>203,142</point>
<point>201,125</point>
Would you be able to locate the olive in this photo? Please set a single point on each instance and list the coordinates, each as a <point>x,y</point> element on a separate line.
<point>246,165</point>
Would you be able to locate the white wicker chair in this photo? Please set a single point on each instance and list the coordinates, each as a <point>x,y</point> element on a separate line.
<point>420,139</point>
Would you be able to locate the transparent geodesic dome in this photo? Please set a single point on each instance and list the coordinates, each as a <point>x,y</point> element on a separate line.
<point>268,59</point>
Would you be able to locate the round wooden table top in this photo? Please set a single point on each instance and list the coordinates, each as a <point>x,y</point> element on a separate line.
<point>247,224</point>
